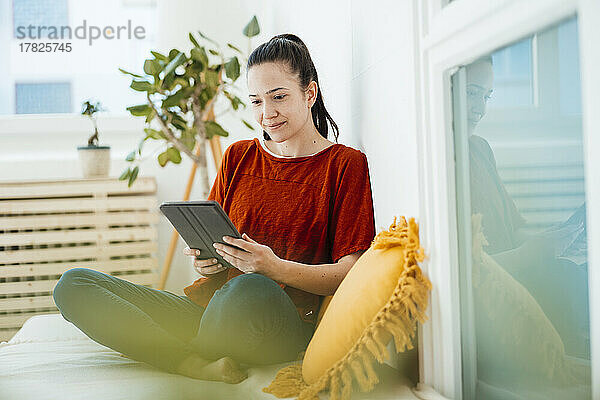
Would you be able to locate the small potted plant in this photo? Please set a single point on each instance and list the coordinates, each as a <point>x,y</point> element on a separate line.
<point>94,159</point>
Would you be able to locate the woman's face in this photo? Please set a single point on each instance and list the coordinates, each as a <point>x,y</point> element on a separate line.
<point>276,98</point>
<point>480,78</point>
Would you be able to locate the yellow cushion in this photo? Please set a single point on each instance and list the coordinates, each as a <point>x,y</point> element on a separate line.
<point>382,297</point>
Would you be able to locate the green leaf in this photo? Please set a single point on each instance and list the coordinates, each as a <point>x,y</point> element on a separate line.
<point>247,124</point>
<point>173,53</point>
<point>252,29</point>
<point>189,139</point>
<point>152,67</point>
<point>232,68</point>
<point>199,54</point>
<point>209,39</point>
<point>212,129</point>
<point>125,174</point>
<point>150,116</point>
<point>174,99</point>
<point>159,56</point>
<point>163,158</point>
<point>174,155</point>
<point>234,48</point>
<point>140,111</point>
<point>142,86</point>
<point>130,73</point>
<point>130,156</point>
<point>177,121</point>
<point>154,134</point>
<point>212,81</point>
<point>176,62</point>
<point>213,52</point>
<point>141,145</point>
<point>193,40</point>
<point>133,175</point>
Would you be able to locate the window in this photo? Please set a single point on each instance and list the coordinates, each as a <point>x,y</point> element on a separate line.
<point>513,76</point>
<point>39,13</point>
<point>521,221</point>
<point>91,69</point>
<point>43,98</point>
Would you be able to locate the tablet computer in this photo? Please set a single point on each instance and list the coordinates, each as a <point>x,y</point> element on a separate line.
<point>200,224</point>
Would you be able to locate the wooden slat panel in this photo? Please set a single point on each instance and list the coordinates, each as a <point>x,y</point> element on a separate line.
<point>109,266</point>
<point>78,204</point>
<point>77,220</point>
<point>26,303</point>
<point>67,224</point>
<point>77,236</point>
<point>79,187</point>
<point>26,287</point>
<point>76,252</point>
<point>7,334</point>
<point>521,172</point>
<point>527,189</point>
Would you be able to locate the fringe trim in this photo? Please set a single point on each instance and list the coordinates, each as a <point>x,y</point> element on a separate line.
<point>397,318</point>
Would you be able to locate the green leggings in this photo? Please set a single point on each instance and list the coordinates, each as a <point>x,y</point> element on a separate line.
<point>250,319</point>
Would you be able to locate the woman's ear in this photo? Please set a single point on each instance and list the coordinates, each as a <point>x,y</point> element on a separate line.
<point>311,93</point>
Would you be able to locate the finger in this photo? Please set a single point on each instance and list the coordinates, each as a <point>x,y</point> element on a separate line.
<point>225,250</point>
<point>205,262</point>
<point>249,238</point>
<point>231,259</point>
<point>241,243</point>
<point>213,269</point>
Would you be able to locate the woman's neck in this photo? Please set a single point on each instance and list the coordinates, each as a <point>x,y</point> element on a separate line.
<point>300,144</point>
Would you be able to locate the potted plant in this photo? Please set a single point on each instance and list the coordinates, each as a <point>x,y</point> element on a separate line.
<point>181,90</point>
<point>94,159</point>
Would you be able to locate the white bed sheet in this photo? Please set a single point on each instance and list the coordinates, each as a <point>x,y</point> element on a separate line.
<point>50,358</point>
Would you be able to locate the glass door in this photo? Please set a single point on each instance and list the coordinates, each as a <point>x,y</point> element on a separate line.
<point>521,220</point>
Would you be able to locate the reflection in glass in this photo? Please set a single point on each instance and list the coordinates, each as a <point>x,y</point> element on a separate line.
<point>522,226</point>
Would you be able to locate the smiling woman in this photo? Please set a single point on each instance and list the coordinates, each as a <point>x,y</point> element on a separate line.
<point>303,202</point>
<point>305,209</point>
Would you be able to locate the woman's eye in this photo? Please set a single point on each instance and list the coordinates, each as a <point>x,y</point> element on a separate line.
<point>255,102</point>
<point>280,96</point>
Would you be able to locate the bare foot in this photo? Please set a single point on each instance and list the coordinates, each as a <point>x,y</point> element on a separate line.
<point>223,370</point>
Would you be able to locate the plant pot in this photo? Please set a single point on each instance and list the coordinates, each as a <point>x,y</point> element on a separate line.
<point>94,160</point>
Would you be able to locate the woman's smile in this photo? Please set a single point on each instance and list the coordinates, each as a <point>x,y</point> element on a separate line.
<point>276,126</point>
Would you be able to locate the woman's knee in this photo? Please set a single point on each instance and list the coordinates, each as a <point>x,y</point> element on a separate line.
<point>258,285</point>
<point>250,293</point>
<point>67,284</point>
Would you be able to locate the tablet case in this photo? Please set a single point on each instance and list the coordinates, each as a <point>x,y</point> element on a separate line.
<point>200,224</point>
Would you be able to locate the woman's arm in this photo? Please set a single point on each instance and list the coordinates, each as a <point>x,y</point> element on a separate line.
<point>321,279</point>
<point>251,256</point>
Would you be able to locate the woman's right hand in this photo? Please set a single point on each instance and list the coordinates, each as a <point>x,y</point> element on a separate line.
<point>204,266</point>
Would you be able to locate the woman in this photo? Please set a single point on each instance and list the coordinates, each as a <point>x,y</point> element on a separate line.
<point>304,206</point>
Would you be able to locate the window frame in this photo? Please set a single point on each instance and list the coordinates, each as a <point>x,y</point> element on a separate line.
<point>455,35</point>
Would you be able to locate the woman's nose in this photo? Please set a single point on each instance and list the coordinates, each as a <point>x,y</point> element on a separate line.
<point>269,111</point>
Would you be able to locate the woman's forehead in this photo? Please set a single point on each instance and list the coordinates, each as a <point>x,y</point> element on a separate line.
<point>265,77</point>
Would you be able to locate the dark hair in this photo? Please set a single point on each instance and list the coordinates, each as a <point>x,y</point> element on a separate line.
<point>292,52</point>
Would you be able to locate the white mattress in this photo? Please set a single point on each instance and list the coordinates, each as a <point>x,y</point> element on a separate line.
<point>50,358</point>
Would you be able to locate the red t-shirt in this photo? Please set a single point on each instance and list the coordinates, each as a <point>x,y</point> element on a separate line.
<point>312,209</point>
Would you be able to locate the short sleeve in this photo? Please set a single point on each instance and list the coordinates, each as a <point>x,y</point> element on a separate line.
<point>219,186</point>
<point>352,224</point>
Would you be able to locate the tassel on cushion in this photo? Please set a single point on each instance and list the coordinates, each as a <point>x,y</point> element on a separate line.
<point>396,319</point>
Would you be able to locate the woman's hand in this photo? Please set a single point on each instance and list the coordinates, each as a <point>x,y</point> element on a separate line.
<point>204,266</point>
<point>253,258</point>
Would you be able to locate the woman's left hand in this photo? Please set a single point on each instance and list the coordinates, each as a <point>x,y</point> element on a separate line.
<point>254,258</point>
